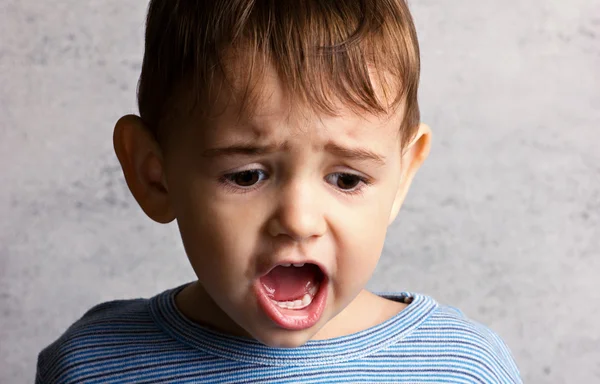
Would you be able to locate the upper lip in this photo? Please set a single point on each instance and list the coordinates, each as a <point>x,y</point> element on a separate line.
<point>271,266</point>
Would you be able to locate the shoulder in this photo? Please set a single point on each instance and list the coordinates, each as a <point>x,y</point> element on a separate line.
<point>470,345</point>
<point>99,335</point>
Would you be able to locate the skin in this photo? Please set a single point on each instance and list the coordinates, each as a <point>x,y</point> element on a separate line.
<point>300,209</point>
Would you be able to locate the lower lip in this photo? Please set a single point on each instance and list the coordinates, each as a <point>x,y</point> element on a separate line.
<point>293,319</point>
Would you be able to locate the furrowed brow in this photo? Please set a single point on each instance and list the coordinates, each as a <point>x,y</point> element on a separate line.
<point>360,154</point>
<point>241,150</point>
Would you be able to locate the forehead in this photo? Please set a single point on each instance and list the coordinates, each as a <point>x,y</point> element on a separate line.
<point>264,108</point>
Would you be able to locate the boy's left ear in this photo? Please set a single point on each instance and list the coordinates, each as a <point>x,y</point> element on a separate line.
<point>413,156</point>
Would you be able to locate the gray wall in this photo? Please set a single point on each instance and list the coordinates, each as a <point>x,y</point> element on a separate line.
<point>503,221</point>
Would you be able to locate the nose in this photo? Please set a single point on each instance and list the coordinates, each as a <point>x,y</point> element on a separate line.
<point>299,213</point>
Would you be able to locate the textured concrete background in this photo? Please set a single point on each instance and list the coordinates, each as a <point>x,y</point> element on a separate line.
<point>503,221</point>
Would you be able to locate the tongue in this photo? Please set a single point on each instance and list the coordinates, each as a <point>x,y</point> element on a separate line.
<point>290,283</point>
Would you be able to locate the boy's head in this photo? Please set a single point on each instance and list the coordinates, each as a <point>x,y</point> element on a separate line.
<point>277,132</point>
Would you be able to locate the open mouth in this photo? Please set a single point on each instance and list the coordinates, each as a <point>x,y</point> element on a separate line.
<point>293,295</point>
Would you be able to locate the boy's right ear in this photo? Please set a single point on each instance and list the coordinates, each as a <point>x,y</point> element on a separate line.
<point>143,167</point>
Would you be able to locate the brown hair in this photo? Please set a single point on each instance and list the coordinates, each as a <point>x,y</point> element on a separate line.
<point>323,51</point>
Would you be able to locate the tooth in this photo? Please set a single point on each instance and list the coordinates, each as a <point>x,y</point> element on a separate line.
<point>306,299</point>
<point>299,265</point>
<point>286,265</point>
<point>313,290</point>
<point>296,304</point>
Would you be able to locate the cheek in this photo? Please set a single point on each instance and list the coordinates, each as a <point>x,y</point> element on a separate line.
<point>219,240</point>
<point>362,248</point>
<point>359,247</point>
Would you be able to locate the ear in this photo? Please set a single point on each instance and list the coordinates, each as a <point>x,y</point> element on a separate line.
<point>413,156</point>
<point>143,166</point>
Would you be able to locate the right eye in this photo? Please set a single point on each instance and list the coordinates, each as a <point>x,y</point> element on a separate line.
<point>246,179</point>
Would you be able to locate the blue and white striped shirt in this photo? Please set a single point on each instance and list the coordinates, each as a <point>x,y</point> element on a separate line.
<point>150,341</point>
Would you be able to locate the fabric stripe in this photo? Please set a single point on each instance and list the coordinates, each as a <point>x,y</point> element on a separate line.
<point>150,341</point>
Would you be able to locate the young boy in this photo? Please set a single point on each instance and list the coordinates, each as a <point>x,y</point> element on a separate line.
<point>283,137</point>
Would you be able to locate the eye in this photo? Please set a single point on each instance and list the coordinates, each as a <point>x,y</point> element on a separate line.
<point>246,179</point>
<point>347,182</point>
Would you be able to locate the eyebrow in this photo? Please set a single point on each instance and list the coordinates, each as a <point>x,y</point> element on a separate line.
<point>243,150</point>
<point>360,154</point>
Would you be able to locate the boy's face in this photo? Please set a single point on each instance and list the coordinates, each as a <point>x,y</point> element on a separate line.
<point>283,186</point>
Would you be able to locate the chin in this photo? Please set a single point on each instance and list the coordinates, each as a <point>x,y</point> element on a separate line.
<point>285,339</point>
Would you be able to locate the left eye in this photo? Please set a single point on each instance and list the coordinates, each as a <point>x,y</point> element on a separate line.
<point>345,181</point>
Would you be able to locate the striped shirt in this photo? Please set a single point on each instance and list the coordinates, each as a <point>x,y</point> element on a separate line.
<point>150,341</point>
